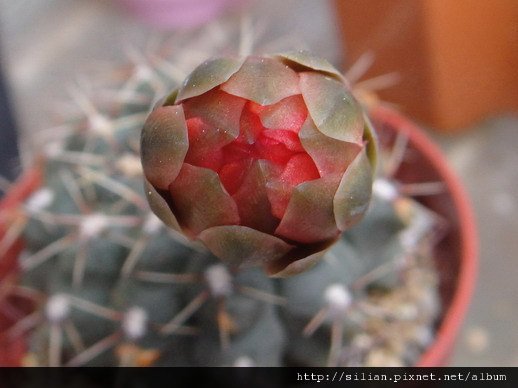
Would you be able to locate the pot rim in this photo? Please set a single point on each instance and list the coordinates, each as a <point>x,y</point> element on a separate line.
<point>438,352</point>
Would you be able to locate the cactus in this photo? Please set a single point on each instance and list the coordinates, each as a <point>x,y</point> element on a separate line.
<point>113,285</point>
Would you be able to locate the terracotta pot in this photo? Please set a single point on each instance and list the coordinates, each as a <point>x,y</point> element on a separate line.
<point>461,55</point>
<point>456,253</point>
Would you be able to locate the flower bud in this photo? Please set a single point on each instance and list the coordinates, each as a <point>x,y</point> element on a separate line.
<point>265,159</point>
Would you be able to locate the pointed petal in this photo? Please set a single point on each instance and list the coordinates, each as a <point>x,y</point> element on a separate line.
<point>286,137</point>
<point>309,217</point>
<point>207,76</point>
<point>331,156</point>
<point>164,143</point>
<point>333,108</point>
<point>300,168</point>
<point>200,201</point>
<point>272,150</point>
<point>296,266</point>
<point>353,195</point>
<point>288,114</point>
<point>168,100</point>
<point>281,181</point>
<point>159,206</point>
<point>237,245</point>
<point>298,260</point>
<point>308,61</point>
<point>250,123</point>
<point>278,192</point>
<point>263,80</point>
<point>218,109</point>
<point>233,174</point>
<point>252,201</point>
<point>205,144</point>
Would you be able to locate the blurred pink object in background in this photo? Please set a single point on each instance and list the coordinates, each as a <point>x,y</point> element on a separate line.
<point>177,13</point>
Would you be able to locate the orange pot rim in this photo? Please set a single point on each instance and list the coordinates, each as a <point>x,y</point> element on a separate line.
<point>440,350</point>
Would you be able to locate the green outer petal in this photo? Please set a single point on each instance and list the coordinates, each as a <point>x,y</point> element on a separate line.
<point>170,99</point>
<point>353,195</point>
<point>208,75</point>
<point>297,266</point>
<point>309,217</point>
<point>263,80</point>
<point>200,201</point>
<point>333,108</point>
<point>218,109</point>
<point>237,245</point>
<point>311,62</point>
<point>252,200</point>
<point>164,143</point>
<point>160,207</point>
<point>371,138</point>
<point>331,156</point>
<point>299,259</point>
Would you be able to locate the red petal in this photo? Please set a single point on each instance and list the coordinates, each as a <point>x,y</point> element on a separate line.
<point>272,150</point>
<point>288,138</point>
<point>233,174</point>
<point>204,158</point>
<point>289,114</point>
<point>204,145</point>
<point>195,127</point>
<point>300,168</point>
<point>250,124</point>
<point>237,151</point>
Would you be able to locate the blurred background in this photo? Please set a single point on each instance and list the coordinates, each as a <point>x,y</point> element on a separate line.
<point>450,66</point>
